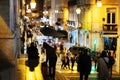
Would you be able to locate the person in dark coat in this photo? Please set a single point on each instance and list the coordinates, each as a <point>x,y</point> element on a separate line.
<point>33,58</point>
<point>61,48</point>
<point>52,58</point>
<point>84,64</point>
<point>32,52</point>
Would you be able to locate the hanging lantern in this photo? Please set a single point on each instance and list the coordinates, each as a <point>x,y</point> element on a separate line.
<point>32,4</point>
<point>99,3</point>
<point>78,10</point>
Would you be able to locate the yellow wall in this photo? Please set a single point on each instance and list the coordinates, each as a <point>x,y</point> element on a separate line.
<point>65,18</point>
<point>93,20</point>
<point>94,16</point>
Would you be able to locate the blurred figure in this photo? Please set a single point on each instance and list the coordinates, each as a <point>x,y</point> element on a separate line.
<point>72,61</point>
<point>103,71</point>
<point>95,60</point>
<point>63,61</point>
<point>61,47</point>
<point>51,57</point>
<point>111,63</point>
<point>33,58</point>
<point>29,36</point>
<point>32,52</point>
<point>84,64</point>
<point>67,62</point>
<point>44,66</point>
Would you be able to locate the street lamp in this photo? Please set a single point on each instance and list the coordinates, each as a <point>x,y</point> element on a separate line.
<point>99,3</point>
<point>78,11</point>
<point>32,4</point>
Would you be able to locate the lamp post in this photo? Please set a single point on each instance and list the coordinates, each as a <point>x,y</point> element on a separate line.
<point>78,10</point>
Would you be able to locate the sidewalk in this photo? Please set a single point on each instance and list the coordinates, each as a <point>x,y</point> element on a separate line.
<point>24,72</point>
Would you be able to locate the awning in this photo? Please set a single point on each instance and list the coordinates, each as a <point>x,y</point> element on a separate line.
<point>109,35</point>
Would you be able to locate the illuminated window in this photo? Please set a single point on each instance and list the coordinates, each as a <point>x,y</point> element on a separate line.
<point>111,14</point>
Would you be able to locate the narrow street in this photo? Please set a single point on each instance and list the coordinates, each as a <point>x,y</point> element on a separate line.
<point>24,72</point>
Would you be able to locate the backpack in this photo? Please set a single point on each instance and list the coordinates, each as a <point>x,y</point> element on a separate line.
<point>110,62</point>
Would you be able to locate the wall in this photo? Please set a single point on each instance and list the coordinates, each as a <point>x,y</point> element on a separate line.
<point>7,56</point>
<point>94,22</point>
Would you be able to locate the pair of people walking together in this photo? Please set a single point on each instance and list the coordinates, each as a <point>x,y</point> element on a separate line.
<point>105,64</point>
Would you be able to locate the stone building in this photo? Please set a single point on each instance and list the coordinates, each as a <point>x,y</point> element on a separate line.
<point>9,39</point>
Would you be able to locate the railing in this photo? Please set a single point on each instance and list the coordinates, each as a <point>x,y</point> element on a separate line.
<point>110,28</point>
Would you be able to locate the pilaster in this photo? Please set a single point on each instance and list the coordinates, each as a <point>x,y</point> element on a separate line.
<point>118,42</point>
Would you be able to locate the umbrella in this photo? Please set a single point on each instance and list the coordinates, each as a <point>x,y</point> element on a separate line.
<point>47,31</point>
<point>63,33</point>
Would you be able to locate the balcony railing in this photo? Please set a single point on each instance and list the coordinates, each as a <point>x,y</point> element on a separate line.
<point>110,28</point>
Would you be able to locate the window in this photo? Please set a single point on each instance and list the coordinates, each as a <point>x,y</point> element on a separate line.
<point>111,14</point>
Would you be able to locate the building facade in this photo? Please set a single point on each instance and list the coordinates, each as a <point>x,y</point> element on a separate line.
<point>99,25</point>
<point>9,39</point>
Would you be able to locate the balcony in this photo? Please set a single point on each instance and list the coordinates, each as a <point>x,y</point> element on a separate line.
<point>110,29</point>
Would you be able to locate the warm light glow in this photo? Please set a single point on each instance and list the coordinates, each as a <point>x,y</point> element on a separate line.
<point>78,10</point>
<point>45,12</point>
<point>28,11</point>
<point>33,4</point>
<point>56,11</point>
<point>99,4</point>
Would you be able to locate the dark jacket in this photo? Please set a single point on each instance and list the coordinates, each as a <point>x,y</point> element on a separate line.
<point>84,63</point>
<point>32,52</point>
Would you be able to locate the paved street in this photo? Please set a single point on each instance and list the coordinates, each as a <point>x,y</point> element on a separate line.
<point>24,72</point>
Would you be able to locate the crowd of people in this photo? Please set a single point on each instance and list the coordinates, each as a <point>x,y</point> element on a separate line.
<point>49,55</point>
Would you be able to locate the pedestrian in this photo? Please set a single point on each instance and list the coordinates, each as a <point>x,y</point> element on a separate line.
<point>63,61</point>
<point>32,51</point>
<point>51,57</point>
<point>84,64</point>
<point>29,35</point>
<point>111,63</point>
<point>102,68</point>
<point>61,47</point>
<point>72,61</point>
<point>44,66</point>
<point>67,62</point>
<point>95,60</point>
